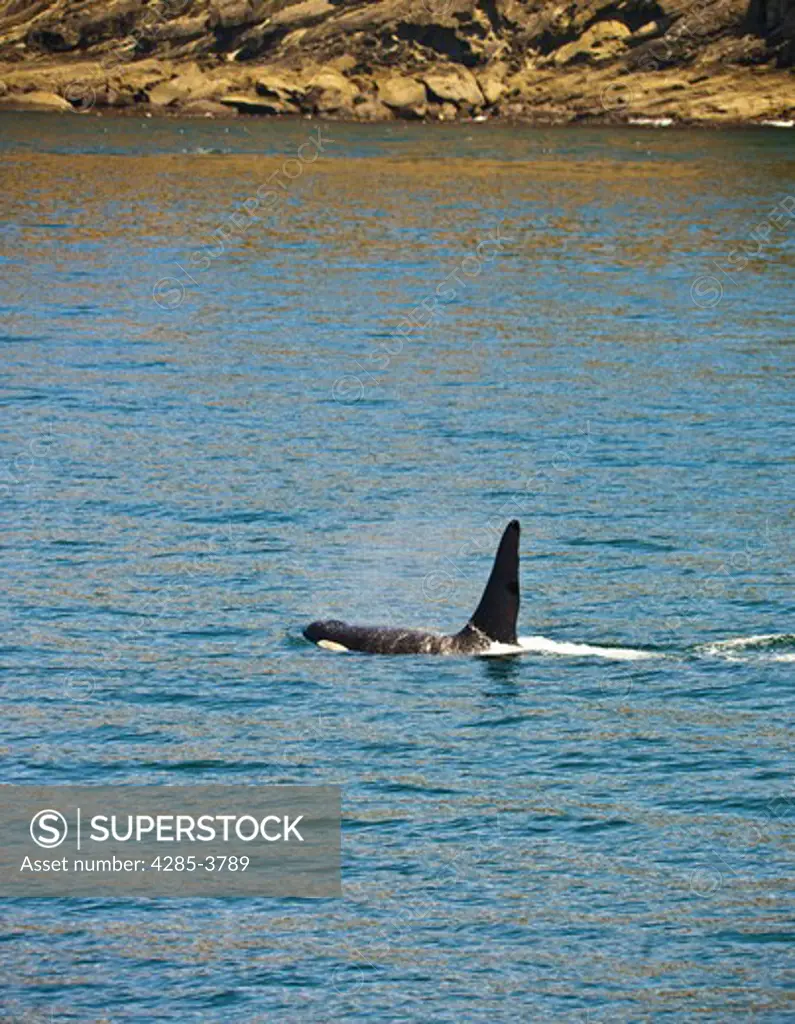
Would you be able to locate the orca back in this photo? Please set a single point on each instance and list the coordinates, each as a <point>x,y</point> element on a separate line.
<point>494,619</point>
<point>337,635</point>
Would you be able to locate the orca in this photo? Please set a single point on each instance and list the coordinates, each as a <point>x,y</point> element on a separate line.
<point>493,621</point>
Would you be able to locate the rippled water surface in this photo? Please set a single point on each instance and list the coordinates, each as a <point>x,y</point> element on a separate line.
<point>253,376</point>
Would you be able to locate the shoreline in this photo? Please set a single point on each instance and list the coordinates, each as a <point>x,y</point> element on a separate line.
<point>709,63</point>
<point>528,121</point>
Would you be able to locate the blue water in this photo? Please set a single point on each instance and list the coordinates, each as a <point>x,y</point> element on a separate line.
<point>193,470</point>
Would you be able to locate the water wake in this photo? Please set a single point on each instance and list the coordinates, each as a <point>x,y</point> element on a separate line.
<point>761,647</point>
<point>543,645</point>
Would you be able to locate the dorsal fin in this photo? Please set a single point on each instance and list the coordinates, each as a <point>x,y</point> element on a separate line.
<point>499,606</point>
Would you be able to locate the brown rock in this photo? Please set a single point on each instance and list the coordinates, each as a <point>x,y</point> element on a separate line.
<point>247,104</point>
<point>492,83</point>
<point>345,63</point>
<point>36,100</point>
<point>107,96</point>
<point>302,15</point>
<point>140,78</point>
<point>651,28</point>
<point>179,30</point>
<point>560,61</point>
<point>454,85</point>
<point>447,112</point>
<point>405,95</point>
<point>370,109</point>
<point>54,37</point>
<point>330,92</point>
<point>600,42</point>
<point>193,84</point>
<point>208,108</point>
<point>81,96</point>
<point>280,85</point>
<point>234,13</point>
<point>164,94</point>
<point>81,25</point>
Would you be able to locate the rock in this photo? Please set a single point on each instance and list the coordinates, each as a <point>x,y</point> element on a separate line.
<point>258,105</point>
<point>284,27</point>
<point>81,96</point>
<point>344,63</point>
<point>492,84</point>
<point>547,61</point>
<point>208,108</point>
<point>180,30</point>
<point>96,23</point>
<point>107,96</point>
<point>331,93</point>
<point>3,88</point>
<point>132,83</point>
<point>454,85</point>
<point>54,38</point>
<point>651,28</point>
<point>36,101</point>
<point>368,108</point>
<point>407,96</point>
<point>600,42</point>
<point>193,84</point>
<point>230,14</point>
<point>280,85</point>
<point>164,94</point>
<point>302,15</point>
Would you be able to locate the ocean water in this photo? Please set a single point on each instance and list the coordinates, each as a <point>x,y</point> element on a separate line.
<point>255,374</point>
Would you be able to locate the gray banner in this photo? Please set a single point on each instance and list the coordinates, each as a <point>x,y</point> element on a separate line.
<point>170,840</point>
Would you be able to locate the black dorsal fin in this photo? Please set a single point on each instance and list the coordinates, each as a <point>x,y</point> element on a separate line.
<point>499,606</point>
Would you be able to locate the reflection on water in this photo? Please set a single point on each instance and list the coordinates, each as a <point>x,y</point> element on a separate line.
<point>350,395</point>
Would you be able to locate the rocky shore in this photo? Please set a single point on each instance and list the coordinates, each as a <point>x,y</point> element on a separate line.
<point>637,61</point>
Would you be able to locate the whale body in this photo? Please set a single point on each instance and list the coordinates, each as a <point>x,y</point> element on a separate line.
<point>492,623</point>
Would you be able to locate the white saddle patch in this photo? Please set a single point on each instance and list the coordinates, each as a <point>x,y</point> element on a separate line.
<point>330,645</point>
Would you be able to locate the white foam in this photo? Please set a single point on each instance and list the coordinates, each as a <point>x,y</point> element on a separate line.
<point>739,642</point>
<point>779,124</point>
<point>652,122</point>
<point>741,648</point>
<point>543,645</point>
<point>498,650</point>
